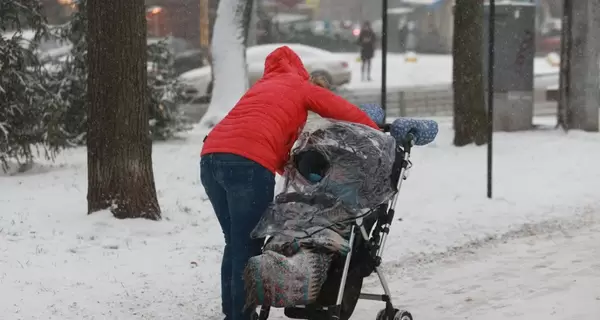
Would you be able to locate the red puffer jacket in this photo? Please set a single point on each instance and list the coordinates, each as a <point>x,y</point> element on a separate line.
<point>265,123</point>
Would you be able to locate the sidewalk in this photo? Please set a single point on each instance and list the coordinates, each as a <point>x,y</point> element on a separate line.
<point>555,276</point>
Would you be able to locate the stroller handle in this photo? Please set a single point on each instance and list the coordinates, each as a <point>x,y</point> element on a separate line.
<point>406,131</point>
<point>408,140</point>
<point>385,127</point>
<point>412,132</point>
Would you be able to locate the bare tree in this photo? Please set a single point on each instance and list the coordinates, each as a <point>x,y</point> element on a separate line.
<point>228,58</point>
<point>467,75</point>
<point>120,175</point>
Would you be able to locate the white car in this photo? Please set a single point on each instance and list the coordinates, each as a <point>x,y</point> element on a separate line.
<point>48,48</point>
<point>318,62</point>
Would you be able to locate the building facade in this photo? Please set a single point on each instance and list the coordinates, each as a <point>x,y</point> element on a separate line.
<point>178,18</point>
<point>435,18</point>
<point>352,10</point>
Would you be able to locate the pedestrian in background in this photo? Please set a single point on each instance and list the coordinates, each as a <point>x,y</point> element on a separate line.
<point>366,40</point>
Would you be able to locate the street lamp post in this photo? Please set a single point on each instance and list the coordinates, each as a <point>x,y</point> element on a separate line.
<point>490,94</point>
<point>384,25</point>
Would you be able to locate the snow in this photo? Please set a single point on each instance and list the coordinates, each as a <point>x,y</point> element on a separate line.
<point>49,47</point>
<point>26,34</point>
<point>429,70</point>
<point>530,252</point>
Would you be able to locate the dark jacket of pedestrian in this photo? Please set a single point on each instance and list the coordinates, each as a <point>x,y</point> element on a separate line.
<point>367,41</point>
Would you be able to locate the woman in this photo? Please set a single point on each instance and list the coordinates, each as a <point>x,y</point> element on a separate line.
<point>366,40</point>
<point>243,152</point>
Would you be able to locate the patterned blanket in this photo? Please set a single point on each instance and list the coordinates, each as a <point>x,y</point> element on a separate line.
<point>276,280</point>
<point>292,270</point>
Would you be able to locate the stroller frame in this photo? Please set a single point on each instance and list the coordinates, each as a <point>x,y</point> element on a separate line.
<point>373,246</point>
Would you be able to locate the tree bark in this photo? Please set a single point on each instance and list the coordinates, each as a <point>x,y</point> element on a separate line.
<point>467,75</point>
<point>249,23</point>
<point>583,96</point>
<point>120,175</point>
<point>562,114</point>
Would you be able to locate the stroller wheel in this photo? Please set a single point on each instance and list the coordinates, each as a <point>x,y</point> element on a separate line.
<point>403,315</point>
<point>399,315</point>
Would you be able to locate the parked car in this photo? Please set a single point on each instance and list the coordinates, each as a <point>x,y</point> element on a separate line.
<point>48,48</point>
<point>548,42</point>
<point>185,56</point>
<point>318,62</point>
<point>189,60</point>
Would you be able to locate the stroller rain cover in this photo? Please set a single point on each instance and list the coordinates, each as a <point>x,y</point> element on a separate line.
<point>338,171</point>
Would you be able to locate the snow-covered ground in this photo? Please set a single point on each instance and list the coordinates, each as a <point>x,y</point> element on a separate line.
<point>447,259</point>
<point>429,70</point>
<point>548,276</point>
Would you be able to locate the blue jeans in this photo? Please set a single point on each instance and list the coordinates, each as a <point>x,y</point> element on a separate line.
<point>240,190</point>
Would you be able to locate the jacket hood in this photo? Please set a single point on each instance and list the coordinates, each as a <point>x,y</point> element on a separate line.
<point>285,60</point>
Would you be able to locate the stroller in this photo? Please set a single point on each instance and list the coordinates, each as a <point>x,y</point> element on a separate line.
<point>365,230</point>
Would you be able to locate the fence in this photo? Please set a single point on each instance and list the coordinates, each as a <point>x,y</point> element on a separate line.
<point>409,102</point>
<point>430,101</point>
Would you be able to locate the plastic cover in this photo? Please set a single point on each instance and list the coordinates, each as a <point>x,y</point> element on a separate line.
<point>338,171</point>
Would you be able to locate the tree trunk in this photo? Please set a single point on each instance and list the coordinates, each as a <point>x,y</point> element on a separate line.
<point>120,176</point>
<point>229,61</point>
<point>583,97</point>
<point>205,36</point>
<point>469,100</point>
<point>562,114</point>
<point>250,21</point>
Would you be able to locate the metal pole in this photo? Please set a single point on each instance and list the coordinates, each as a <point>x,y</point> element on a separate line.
<point>384,25</point>
<point>490,93</point>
